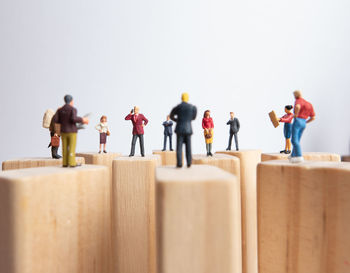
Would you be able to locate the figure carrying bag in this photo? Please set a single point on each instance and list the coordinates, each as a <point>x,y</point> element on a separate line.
<point>55,141</point>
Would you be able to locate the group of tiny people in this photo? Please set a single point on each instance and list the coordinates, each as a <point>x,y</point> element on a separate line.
<point>182,114</point>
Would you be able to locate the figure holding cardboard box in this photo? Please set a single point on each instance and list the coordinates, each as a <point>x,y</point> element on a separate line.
<point>287,130</point>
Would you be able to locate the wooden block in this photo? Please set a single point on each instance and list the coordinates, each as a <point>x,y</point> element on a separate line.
<point>225,162</point>
<point>198,220</point>
<point>274,119</point>
<point>249,160</point>
<point>345,158</point>
<point>313,156</point>
<point>55,219</point>
<point>105,159</point>
<point>34,162</point>
<point>168,157</point>
<point>303,212</point>
<point>133,219</point>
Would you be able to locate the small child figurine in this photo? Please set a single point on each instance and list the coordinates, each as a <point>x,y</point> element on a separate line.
<point>102,127</point>
<point>168,132</point>
<point>287,130</point>
<point>208,126</point>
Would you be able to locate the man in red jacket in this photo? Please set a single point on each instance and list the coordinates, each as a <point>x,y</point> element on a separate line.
<point>138,122</point>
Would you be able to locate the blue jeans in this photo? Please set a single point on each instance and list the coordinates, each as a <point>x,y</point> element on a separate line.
<point>298,127</point>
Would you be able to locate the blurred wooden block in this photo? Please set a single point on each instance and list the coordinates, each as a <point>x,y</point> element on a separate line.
<point>313,156</point>
<point>249,160</point>
<point>34,162</point>
<point>133,219</point>
<point>198,220</point>
<point>274,119</point>
<point>225,162</point>
<point>345,158</point>
<point>304,220</point>
<point>55,219</point>
<point>168,157</point>
<point>105,159</point>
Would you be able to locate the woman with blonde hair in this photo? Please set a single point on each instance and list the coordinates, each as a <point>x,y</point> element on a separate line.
<point>102,127</point>
<point>208,126</point>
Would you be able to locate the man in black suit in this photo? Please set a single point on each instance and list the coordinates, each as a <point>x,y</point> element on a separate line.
<point>168,132</point>
<point>234,128</point>
<point>183,114</point>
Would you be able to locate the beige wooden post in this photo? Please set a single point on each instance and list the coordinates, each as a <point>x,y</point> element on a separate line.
<point>198,220</point>
<point>133,218</point>
<point>34,162</point>
<point>304,220</point>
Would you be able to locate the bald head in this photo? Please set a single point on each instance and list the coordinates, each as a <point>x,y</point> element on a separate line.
<point>297,94</point>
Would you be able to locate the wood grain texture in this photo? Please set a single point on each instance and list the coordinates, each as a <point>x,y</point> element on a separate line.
<point>133,218</point>
<point>55,219</point>
<point>313,156</point>
<point>198,220</point>
<point>105,159</point>
<point>249,160</point>
<point>225,162</point>
<point>168,157</point>
<point>303,212</point>
<point>34,162</point>
<point>345,158</point>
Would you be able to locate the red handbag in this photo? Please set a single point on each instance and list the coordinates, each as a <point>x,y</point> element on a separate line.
<point>55,141</point>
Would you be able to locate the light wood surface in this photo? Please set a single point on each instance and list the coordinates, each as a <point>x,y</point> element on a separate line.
<point>249,160</point>
<point>168,157</point>
<point>304,220</point>
<point>105,159</point>
<point>34,162</point>
<point>225,162</point>
<point>198,220</point>
<point>55,219</point>
<point>313,156</point>
<point>345,158</point>
<point>133,218</point>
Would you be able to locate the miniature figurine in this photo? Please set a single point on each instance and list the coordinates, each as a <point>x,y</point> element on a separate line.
<point>67,117</point>
<point>48,123</point>
<point>287,129</point>
<point>183,114</point>
<point>234,129</point>
<point>138,122</point>
<point>303,113</point>
<point>102,127</point>
<point>168,132</point>
<point>208,126</point>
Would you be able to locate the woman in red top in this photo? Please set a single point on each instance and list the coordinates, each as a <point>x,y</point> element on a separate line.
<point>208,126</point>
<point>287,119</point>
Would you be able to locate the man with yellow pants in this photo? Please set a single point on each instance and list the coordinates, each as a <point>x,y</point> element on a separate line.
<point>67,117</point>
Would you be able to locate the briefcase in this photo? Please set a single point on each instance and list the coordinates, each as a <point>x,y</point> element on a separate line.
<point>55,141</point>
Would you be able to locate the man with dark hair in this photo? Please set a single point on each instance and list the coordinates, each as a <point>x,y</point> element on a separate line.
<point>234,128</point>
<point>67,117</point>
<point>183,114</point>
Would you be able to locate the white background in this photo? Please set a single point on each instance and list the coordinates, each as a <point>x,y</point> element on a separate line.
<point>242,56</point>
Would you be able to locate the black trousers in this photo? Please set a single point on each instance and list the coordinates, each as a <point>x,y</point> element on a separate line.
<point>133,143</point>
<point>180,140</point>
<point>170,142</point>
<point>230,141</point>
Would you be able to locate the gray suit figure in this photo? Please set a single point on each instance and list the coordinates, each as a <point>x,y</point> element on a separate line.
<point>168,132</point>
<point>234,128</point>
<point>183,114</point>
